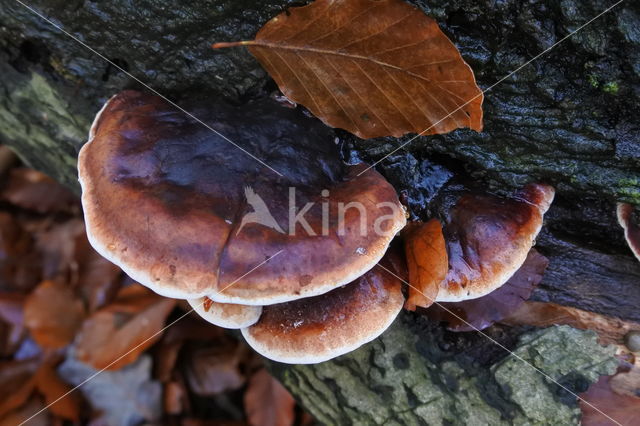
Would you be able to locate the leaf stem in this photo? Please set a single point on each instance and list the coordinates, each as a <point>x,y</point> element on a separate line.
<point>222,45</point>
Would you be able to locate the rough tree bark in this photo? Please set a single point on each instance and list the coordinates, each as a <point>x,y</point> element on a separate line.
<point>567,119</point>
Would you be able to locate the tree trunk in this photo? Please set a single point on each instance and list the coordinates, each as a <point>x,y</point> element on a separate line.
<point>568,119</point>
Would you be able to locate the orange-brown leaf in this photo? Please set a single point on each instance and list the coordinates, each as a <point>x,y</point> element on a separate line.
<point>119,333</point>
<point>55,391</point>
<point>372,67</point>
<point>427,262</point>
<point>53,314</point>
<point>17,383</point>
<point>267,402</point>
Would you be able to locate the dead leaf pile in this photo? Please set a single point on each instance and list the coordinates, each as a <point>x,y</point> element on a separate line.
<point>66,314</point>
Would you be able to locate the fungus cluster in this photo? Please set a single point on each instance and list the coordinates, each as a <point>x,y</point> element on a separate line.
<point>184,212</point>
<point>257,245</point>
<point>491,264</point>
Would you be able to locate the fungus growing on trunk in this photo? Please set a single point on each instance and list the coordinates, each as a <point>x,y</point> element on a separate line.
<point>319,328</point>
<point>631,228</point>
<point>226,315</point>
<point>488,239</point>
<point>186,213</point>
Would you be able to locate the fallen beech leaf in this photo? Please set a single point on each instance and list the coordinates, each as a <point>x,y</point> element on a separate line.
<point>128,326</point>
<point>27,411</point>
<point>98,279</point>
<point>57,244</point>
<point>19,262</point>
<point>267,402</point>
<point>539,314</point>
<point>482,312</point>
<point>17,383</point>
<point>427,262</point>
<point>53,314</point>
<point>189,328</point>
<point>631,227</point>
<point>11,321</point>
<point>372,67</point>
<point>213,370</point>
<point>33,190</point>
<point>174,397</point>
<point>623,408</point>
<point>52,388</point>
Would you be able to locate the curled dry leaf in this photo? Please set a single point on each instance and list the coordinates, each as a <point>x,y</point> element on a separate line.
<point>19,262</point>
<point>11,322</point>
<point>51,386</point>
<point>480,313</point>
<point>53,314</point>
<point>427,262</point>
<point>539,314</point>
<point>267,402</point>
<point>17,383</point>
<point>623,407</point>
<point>32,190</point>
<point>213,370</point>
<point>372,67</point>
<point>119,333</point>
<point>631,227</point>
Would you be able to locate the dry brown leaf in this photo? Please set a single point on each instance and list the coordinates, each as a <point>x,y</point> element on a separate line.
<point>372,67</point>
<point>267,402</point>
<point>610,330</point>
<point>480,313</point>
<point>52,388</point>
<point>53,314</point>
<point>32,190</point>
<point>17,383</point>
<point>213,370</point>
<point>31,410</point>
<point>119,333</point>
<point>623,408</point>
<point>19,262</point>
<point>11,322</point>
<point>427,262</point>
<point>189,328</point>
<point>97,278</point>
<point>57,243</point>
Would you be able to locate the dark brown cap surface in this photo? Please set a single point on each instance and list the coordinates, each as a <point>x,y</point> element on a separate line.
<point>488,239</point>
<point>167,200</point>
<point>319,328</point>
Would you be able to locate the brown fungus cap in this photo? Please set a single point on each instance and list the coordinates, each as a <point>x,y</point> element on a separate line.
<point>226,315</point>
<point>488,239</point>
<point>181,210</point>
<point>631,229</point>
<point>319,328</point>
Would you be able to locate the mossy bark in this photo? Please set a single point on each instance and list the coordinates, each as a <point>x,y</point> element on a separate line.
<point>569,119</point>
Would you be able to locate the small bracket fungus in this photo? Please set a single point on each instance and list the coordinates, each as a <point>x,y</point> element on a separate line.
<point>226,315</point>
<point>488,239</point>
<point>319,328</point>
<point>631,229</point>
<point>480,313</point>
<point>185,212</point>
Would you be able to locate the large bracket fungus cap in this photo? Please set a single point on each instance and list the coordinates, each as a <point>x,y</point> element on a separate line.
<point>186,213</point>
<point>319,328</point>
<point>488,239</point>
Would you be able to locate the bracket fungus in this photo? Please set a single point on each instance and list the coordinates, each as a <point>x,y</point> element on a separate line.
<point>631,229</point>
<point>488,239</point>
<point>319,328</point>
<point>187,214</point>
<point>226,315</point>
